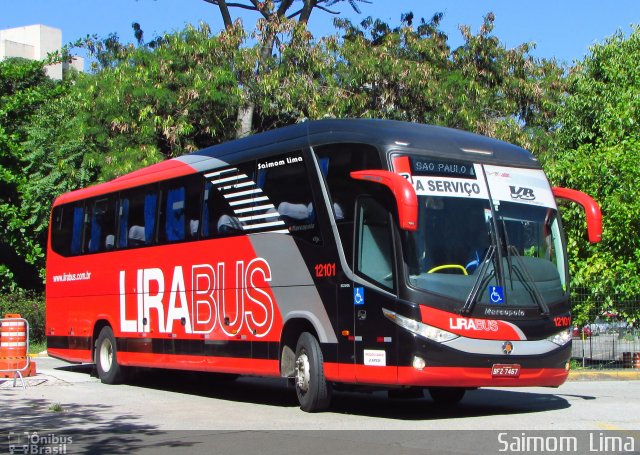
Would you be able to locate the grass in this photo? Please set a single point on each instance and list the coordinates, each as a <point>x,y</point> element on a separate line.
<point>36,347</point>
<point>55,407</point>
<point>576,365</point>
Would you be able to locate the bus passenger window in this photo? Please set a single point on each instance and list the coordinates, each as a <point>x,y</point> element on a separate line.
<point>216,221</point>
<point>180,210</point>
<point>174,225</point>
<point>193,209</point>
<point>337,161</point>
<point>66,232</point>
<point>101,234</point>
<point>231,201</point>
<point>76,233</point>
<point>285,182</point>
<point>150,209</point>
<point>137,218</point>
<point>123,222</point>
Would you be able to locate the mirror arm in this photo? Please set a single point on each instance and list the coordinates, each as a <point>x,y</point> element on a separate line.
<point>403,192</point>
<point>591,209</point>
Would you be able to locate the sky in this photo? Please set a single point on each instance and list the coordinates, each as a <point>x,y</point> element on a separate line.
<point>561,29</point>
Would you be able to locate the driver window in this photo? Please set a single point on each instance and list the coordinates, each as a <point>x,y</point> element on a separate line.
<point>374,255</point>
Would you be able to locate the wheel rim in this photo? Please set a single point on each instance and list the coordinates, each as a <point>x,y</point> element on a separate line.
<point>106,355</point>
<point>303,374</point>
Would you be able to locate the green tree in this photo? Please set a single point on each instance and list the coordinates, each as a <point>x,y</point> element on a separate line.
<point>599,152</point>
<point>411,73</point>
<point>273,14</point>
<point>24,88</point>
<point>141,106</point>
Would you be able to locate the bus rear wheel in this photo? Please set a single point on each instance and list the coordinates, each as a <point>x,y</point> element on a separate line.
<point>446,395</point>
<point>109,371</point>
<point>314,393</point>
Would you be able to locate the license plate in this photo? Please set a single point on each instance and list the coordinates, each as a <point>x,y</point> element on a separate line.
<point>505,371</point>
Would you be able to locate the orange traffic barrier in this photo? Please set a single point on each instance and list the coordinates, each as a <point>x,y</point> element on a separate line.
<point>14,342</point>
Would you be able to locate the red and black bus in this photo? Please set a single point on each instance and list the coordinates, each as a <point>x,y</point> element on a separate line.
<point>337,253</point>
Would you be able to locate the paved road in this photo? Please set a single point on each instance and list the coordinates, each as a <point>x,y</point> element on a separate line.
<point>196,412</point>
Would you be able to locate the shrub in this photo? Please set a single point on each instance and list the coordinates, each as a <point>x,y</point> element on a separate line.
<point>31,307</point>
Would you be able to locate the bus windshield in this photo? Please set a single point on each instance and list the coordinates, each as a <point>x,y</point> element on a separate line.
<point>478,247</point>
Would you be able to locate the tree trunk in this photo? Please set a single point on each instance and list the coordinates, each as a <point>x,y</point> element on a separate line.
<point>246,110</point>
<point>306,10</point>
<point>245,119</point>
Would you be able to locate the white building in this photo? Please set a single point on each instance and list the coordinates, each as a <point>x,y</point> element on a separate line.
<point>34,42</point>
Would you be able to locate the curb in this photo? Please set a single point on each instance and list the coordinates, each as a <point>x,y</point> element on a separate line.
<point>39,354</point>
<point>600,375</point>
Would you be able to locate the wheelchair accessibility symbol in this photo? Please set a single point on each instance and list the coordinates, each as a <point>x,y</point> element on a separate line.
<point>358,296</point>
<point>496,294</point>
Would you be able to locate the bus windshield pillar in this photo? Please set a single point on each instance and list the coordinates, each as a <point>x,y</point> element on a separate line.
<point>402,190</point>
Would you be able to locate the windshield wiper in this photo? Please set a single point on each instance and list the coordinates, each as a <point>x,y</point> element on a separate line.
<point>526,279</point>
<point>481,281</point>
<point>522,275</point>
<point>520,271</point>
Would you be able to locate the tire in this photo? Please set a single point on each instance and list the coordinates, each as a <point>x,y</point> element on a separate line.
<point>109,371</point>
<point>314,393</point>
<point>446,395</point>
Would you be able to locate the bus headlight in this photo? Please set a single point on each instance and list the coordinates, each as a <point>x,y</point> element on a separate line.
<point>419,328</point>
<point>561,338</point>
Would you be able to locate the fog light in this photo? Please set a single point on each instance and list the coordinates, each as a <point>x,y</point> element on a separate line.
<point>567,366</point>
<point>418,363</point>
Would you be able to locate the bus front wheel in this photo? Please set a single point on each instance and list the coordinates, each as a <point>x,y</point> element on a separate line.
<point>314,393</point>
<point>109,371</point>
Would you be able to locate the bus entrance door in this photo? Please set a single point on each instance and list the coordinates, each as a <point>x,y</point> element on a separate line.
<point>375,354</point>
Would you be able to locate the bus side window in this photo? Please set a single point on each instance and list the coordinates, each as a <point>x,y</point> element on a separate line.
<point>285,181</point>
<point>172,218</point>
<point>229,197</point>
<point>206,210</point>
<point>174,224</point>
<point>374,254</point>
<point>62,230</point>
<point>101,234</point>
<point>193,210</point>
<point>123,222</point>
<point>77,230</point>
<point>336,162</point>
<point>150,212</point>
<point>216,215</point>
<point>180,210</point>
<point>138,209</point>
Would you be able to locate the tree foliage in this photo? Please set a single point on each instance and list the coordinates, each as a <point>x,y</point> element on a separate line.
<point>152,105</point>
<point>24,87</point>
<point>274,13</point>
<point>411,73</point>
<point>599,152</point>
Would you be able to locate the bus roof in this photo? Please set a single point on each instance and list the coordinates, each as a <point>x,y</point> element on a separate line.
<point>387,135</point>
